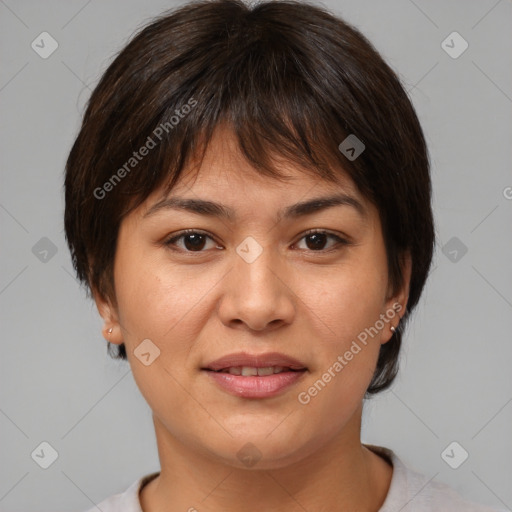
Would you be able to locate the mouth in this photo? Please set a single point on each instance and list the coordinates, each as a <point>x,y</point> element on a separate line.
<point>268,363</point>
<point>253,371</point>
<point>255,376</point>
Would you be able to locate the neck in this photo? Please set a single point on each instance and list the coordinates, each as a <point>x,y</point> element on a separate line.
<point>340,475</point>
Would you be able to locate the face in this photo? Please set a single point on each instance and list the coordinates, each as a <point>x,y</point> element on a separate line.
<point>308,283</point>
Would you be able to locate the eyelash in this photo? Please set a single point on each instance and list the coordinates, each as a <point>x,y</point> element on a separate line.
<point>172,240</point>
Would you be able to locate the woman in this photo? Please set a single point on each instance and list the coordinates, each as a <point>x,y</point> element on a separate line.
<point>249,203</point>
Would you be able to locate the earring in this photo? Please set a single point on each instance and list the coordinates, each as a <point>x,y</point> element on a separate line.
<point>110,331</point>
<point>393,330</point>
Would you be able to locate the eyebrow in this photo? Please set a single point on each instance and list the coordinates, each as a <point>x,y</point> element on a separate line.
<point>294,211</point>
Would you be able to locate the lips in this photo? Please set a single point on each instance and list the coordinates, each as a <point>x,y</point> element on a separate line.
<point>255,376</point>
<point>242,361</point>
<point>247,371</point>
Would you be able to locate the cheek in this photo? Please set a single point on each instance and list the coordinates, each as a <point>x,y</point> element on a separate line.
<point>349,305</point>
<point>161,305</point>
<point>155,299</point>
<point>345,360</point>
<point>349,301</point>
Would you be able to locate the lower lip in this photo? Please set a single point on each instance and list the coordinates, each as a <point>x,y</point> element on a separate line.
<point>265,386</point>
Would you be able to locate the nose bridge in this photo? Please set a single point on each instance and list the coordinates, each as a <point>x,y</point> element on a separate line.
<point>256,270</point>
<point>256,294</point>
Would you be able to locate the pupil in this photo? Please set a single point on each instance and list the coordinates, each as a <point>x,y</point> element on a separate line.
<point>318,240</point>
<point>197,241</point>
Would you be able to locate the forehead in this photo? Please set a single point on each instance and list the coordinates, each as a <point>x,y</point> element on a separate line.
<point>226,186</point>
<point>224,171</point>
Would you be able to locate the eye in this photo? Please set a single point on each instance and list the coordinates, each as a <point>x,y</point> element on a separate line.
<point>197,241</point>
<point>192,241</point>
<point>316,240</point>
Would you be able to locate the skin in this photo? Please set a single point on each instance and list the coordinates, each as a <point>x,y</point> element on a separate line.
<point>304,302</point>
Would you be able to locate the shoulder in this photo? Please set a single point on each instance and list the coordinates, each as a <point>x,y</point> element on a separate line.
<point>414,492</point>
<point>127,501</point>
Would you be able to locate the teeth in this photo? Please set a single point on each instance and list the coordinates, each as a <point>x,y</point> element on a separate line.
<point>249,371</point>
<point>269,370</point>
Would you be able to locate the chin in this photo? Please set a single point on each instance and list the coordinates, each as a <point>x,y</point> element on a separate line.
<point>257,450</point>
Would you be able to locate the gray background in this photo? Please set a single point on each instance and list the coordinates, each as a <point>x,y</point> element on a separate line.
<point>57,383</point>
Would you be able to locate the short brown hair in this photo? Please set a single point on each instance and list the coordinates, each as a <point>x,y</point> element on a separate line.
<point>291,79</point>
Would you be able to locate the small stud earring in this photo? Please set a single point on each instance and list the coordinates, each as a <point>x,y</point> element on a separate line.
<point>393,330</point>
<point>110,331</point>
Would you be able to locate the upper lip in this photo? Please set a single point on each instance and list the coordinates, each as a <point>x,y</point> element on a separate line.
<point>255,361</point>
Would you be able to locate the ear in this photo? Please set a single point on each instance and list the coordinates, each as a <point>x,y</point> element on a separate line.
<point>396,301</point>
<point>111,328</point>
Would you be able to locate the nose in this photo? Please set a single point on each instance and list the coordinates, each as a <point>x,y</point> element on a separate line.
<point>256,294</point>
